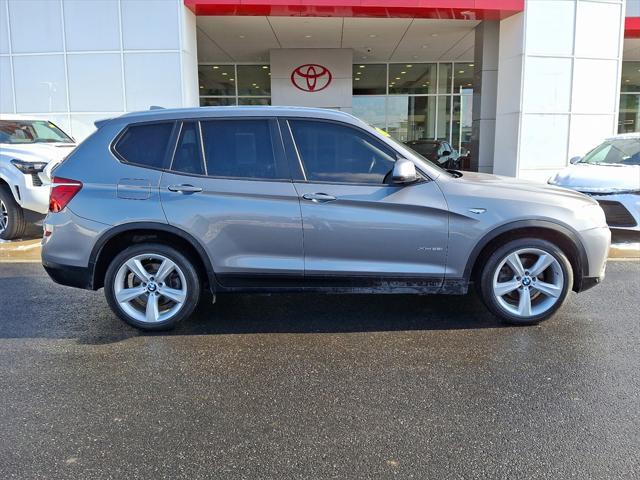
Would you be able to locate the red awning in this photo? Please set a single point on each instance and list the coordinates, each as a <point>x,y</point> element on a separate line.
<point>439,9</point>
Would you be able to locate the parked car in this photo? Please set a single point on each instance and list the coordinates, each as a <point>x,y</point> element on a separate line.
<point>27,145</point>
<point>610,173</point>
<point>439,152</point>
<point>277,199</point>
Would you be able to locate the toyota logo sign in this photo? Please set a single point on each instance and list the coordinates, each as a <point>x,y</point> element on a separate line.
<point>311,77</point>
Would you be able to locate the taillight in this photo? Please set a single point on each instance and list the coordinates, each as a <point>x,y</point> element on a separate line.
<point>62,191</point>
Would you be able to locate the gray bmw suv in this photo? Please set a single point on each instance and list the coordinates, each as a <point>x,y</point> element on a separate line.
<point>159,206</point>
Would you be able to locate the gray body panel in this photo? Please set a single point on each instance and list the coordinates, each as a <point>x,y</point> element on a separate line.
<point>419,237</point>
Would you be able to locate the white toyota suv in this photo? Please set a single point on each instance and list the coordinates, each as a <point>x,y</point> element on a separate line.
<point>27,146</point>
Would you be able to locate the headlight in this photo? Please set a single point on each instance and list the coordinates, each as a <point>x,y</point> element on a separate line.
<point>593,214</point>
<point>29,167</point>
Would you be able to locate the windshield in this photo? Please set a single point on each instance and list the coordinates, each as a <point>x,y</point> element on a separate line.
<point>623,151</point>
<point>31,131</point>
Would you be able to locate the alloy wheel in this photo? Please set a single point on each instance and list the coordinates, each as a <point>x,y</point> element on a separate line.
<point>150,288</point>
<point>4,217</point>
<point>528,282</point>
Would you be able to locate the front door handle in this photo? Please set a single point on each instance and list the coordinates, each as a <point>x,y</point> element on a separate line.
<point>184,188</point>
<point>319,197</point>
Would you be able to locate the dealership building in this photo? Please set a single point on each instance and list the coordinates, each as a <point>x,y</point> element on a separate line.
<point>523,85</point>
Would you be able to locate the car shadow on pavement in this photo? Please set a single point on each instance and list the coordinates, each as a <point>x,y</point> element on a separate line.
<point>307,313</point>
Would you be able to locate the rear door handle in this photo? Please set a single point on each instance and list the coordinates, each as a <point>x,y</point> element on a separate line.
<point>318,197</point>
<point>184,188</point>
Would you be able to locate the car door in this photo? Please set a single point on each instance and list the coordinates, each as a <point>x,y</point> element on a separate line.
<point>358,226</point>
<point>229,186</point>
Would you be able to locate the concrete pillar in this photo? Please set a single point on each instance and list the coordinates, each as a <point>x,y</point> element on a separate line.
<point>484,95</point>
<point>558,83</point>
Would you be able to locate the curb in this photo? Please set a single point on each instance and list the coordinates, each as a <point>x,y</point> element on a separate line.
<point>28,251</point>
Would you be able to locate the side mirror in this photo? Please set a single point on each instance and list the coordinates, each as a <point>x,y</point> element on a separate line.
<point>575,160</point>
<point>404,171</point>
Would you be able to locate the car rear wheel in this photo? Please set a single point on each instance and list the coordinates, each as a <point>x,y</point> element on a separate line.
<point>12,223</point>
<point>152,286</point>
<point>526,281</point>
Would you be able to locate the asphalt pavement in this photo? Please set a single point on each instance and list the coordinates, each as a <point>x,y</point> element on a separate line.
<point>316,387</point>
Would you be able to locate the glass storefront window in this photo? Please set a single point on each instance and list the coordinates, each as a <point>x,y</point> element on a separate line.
<point>629,116</point>
<point>411,117</point>
<point>217,102</point>
<point>463,77</point>
<point>217,79</point>
<point>254,101</point>
<point>254,80</point>
<point>370,79</point>
<point>371,109</point>
<point>630,77</point>
<point>417,78</point>
<point>445,74</point>
<point>443,124</point>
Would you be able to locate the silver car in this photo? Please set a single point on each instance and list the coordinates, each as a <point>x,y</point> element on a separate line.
<point>277,199</point>
<point>610,174</point>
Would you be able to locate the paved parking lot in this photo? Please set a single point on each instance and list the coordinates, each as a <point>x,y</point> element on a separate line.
<point>319,387</point>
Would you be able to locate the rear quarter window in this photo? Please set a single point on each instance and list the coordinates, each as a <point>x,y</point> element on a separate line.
<point>145,145</point>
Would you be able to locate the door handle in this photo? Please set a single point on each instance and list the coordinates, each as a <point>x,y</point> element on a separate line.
<point>318,197</point>
<point>184,188</point>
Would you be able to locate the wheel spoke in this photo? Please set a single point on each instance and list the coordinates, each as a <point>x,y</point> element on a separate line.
<point>548,289</point>
<point>129,294</point>
<point>524,306</point>
<point>543,262</point>
<point>503,288</point>
<point>138,270</point>
<point>515,264</point>
<point>165,269</point>
<point>177,296</point>
<point>152,313</point>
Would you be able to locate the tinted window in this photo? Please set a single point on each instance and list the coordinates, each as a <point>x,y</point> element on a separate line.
<point>145,144</point>
<point>188,156</point>
<point>241,149</point>
<point>340,154</point>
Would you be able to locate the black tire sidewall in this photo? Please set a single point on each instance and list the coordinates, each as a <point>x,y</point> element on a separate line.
<point>489,268</point>
<point>16,215</point>
<point>183,262</point>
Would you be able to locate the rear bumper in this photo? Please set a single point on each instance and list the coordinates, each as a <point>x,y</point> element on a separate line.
<point>79,277</point>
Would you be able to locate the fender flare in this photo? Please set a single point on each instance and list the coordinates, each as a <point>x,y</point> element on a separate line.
<point>570,233</point>
<point>163,227</point>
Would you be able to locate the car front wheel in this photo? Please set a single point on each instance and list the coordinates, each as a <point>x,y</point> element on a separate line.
<point>526,281</point>
<point>152,286</point>
<point>12,223</point>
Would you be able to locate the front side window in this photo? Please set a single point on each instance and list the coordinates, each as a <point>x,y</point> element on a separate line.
<point>31,131</point>
<point>340,154</point>
<point>146,144</point>
<point>241,149</point>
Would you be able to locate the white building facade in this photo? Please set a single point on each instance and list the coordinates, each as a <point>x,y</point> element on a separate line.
<point>521,85</point>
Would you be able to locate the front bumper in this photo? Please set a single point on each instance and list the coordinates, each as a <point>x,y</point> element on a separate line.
<point>32,197</point>
<point>596,243</point>
<point>622,210</point>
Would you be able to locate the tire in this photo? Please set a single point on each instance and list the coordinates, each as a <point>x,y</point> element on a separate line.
<point>546,287</point>
<point>174,295</point>
<point>12,223</point>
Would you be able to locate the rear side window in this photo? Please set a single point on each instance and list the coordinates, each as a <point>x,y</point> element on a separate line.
<point>242,149</point>
<point>188,156</point>
<point>145,145</point>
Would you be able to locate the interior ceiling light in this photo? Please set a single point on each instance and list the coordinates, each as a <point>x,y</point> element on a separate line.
<point>397,78</point>
<point>460,71</point>
<point>471,65</point>
<point>224,73</point>
<point>307,36</point>
<point>265,66</point>
<point>361,66</point>
<point>402,73</point>
<point>372,35</point>
<point>409,66</point>
<point>434,35</point>
<point>215,67</point>
<point>240,36</point>
<point>425,46</point>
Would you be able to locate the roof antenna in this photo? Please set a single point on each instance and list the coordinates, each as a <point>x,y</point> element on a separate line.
<point>156,107</point>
